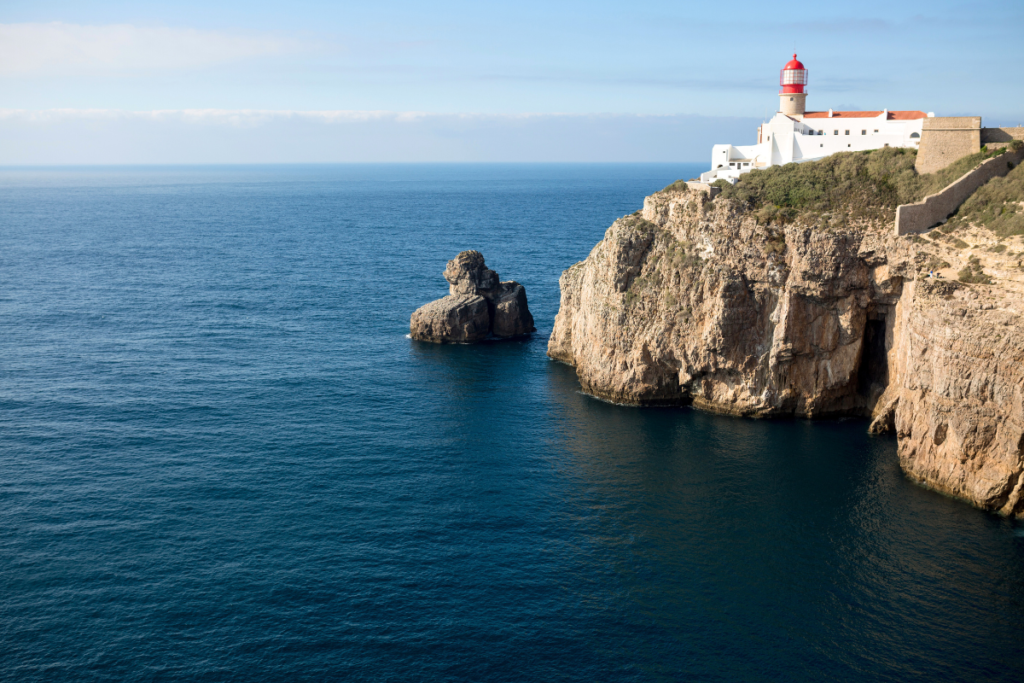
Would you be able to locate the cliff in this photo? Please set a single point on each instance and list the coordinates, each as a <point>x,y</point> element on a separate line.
<point>730,309</point>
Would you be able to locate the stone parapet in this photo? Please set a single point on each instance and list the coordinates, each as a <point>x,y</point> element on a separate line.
<point>935,208</point>
<point>997,138</point>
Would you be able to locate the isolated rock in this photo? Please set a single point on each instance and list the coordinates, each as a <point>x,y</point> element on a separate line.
<point>478,305</point>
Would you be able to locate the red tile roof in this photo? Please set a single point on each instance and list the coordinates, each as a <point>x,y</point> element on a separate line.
<point>907,115</point>
<point>893,115</point>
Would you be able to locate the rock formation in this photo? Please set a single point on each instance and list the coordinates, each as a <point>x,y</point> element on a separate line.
<point>693,301</point>
<point>478,305</point>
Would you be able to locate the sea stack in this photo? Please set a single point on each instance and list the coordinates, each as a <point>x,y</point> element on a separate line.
<point>478,305</point>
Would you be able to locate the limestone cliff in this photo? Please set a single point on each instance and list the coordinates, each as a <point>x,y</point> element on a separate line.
<point>700,301</point>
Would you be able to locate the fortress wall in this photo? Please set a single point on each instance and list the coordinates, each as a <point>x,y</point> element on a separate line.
<point>935,208</point>
<point>946,139</point>
<point>996,138</point>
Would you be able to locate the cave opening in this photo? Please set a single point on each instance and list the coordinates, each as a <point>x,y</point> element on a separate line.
<point>873,372</point>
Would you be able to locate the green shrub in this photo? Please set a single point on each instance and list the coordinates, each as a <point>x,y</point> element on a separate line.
<point>1015,145</point>
<point>973,274</point>
<point>834,183</point>
<point>960,244</point>
<point>997,205</point>
<point>677,186</point>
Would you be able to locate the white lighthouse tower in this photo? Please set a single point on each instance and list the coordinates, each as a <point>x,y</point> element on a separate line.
<point>794,134</point>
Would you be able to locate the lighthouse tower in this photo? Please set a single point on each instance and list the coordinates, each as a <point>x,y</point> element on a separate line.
<point>792,98</point>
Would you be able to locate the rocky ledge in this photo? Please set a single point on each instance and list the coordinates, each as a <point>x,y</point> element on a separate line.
<point>478,305</point>
<point>701,302</point>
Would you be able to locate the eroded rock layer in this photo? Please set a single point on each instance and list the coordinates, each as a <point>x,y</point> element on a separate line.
<point>694,301</point>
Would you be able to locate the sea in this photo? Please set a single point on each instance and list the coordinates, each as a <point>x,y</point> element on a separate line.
<point>223,459</point>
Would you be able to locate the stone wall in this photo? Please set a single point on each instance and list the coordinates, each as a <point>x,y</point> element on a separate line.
<point>946,139</point>
<point>704,187</point>
<point>997,138</point>
<point>935,208</point>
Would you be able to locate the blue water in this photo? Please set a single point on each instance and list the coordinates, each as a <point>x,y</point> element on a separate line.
<point>222,460</point>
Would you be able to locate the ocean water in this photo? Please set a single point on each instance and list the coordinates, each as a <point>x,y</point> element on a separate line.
<point>221,459</point>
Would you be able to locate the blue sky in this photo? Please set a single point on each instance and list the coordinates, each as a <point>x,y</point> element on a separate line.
<point>153,82</point>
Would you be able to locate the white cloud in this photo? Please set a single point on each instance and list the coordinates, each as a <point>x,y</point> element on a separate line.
<point>249,118</point>
<point>109,136</point>
<point>70,49</point>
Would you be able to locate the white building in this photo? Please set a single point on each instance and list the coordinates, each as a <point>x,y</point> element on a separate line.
<point>795,135</point>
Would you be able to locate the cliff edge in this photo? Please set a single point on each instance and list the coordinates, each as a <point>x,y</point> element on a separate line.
<point>748,308</point>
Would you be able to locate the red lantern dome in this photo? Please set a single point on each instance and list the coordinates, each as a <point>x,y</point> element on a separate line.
<point>793,77</point>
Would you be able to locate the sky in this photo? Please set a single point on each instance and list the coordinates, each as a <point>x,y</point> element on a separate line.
<point>109,82</point>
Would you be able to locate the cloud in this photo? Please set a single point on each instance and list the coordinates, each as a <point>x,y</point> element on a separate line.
<point>71,49</point>
<point>249,118</point>
<point>236,118</point>
<point>104,136</point>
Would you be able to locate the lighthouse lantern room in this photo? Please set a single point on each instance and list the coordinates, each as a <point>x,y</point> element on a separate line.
<point>793,78</point>
<point>794,134</point>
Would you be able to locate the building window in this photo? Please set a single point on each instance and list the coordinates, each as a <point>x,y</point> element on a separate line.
<point>876,131</point>
<point>821,145</point>
<point>887,144</point>
<point>915,135</point>
<point>863,132</point>
<point>836,133</point>
<point>747,164</point>
<point>847,132</point>
<point>849,145</point>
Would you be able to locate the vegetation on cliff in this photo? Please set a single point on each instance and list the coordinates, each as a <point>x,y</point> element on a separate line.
<point>973,273</point>
<point>997,205</point>
<point>855,184</point>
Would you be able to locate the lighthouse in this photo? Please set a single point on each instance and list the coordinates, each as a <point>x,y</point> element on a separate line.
<point>794,135</point>
<point>792,98</point>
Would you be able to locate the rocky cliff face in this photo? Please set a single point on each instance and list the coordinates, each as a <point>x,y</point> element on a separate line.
<point>695,301</point>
